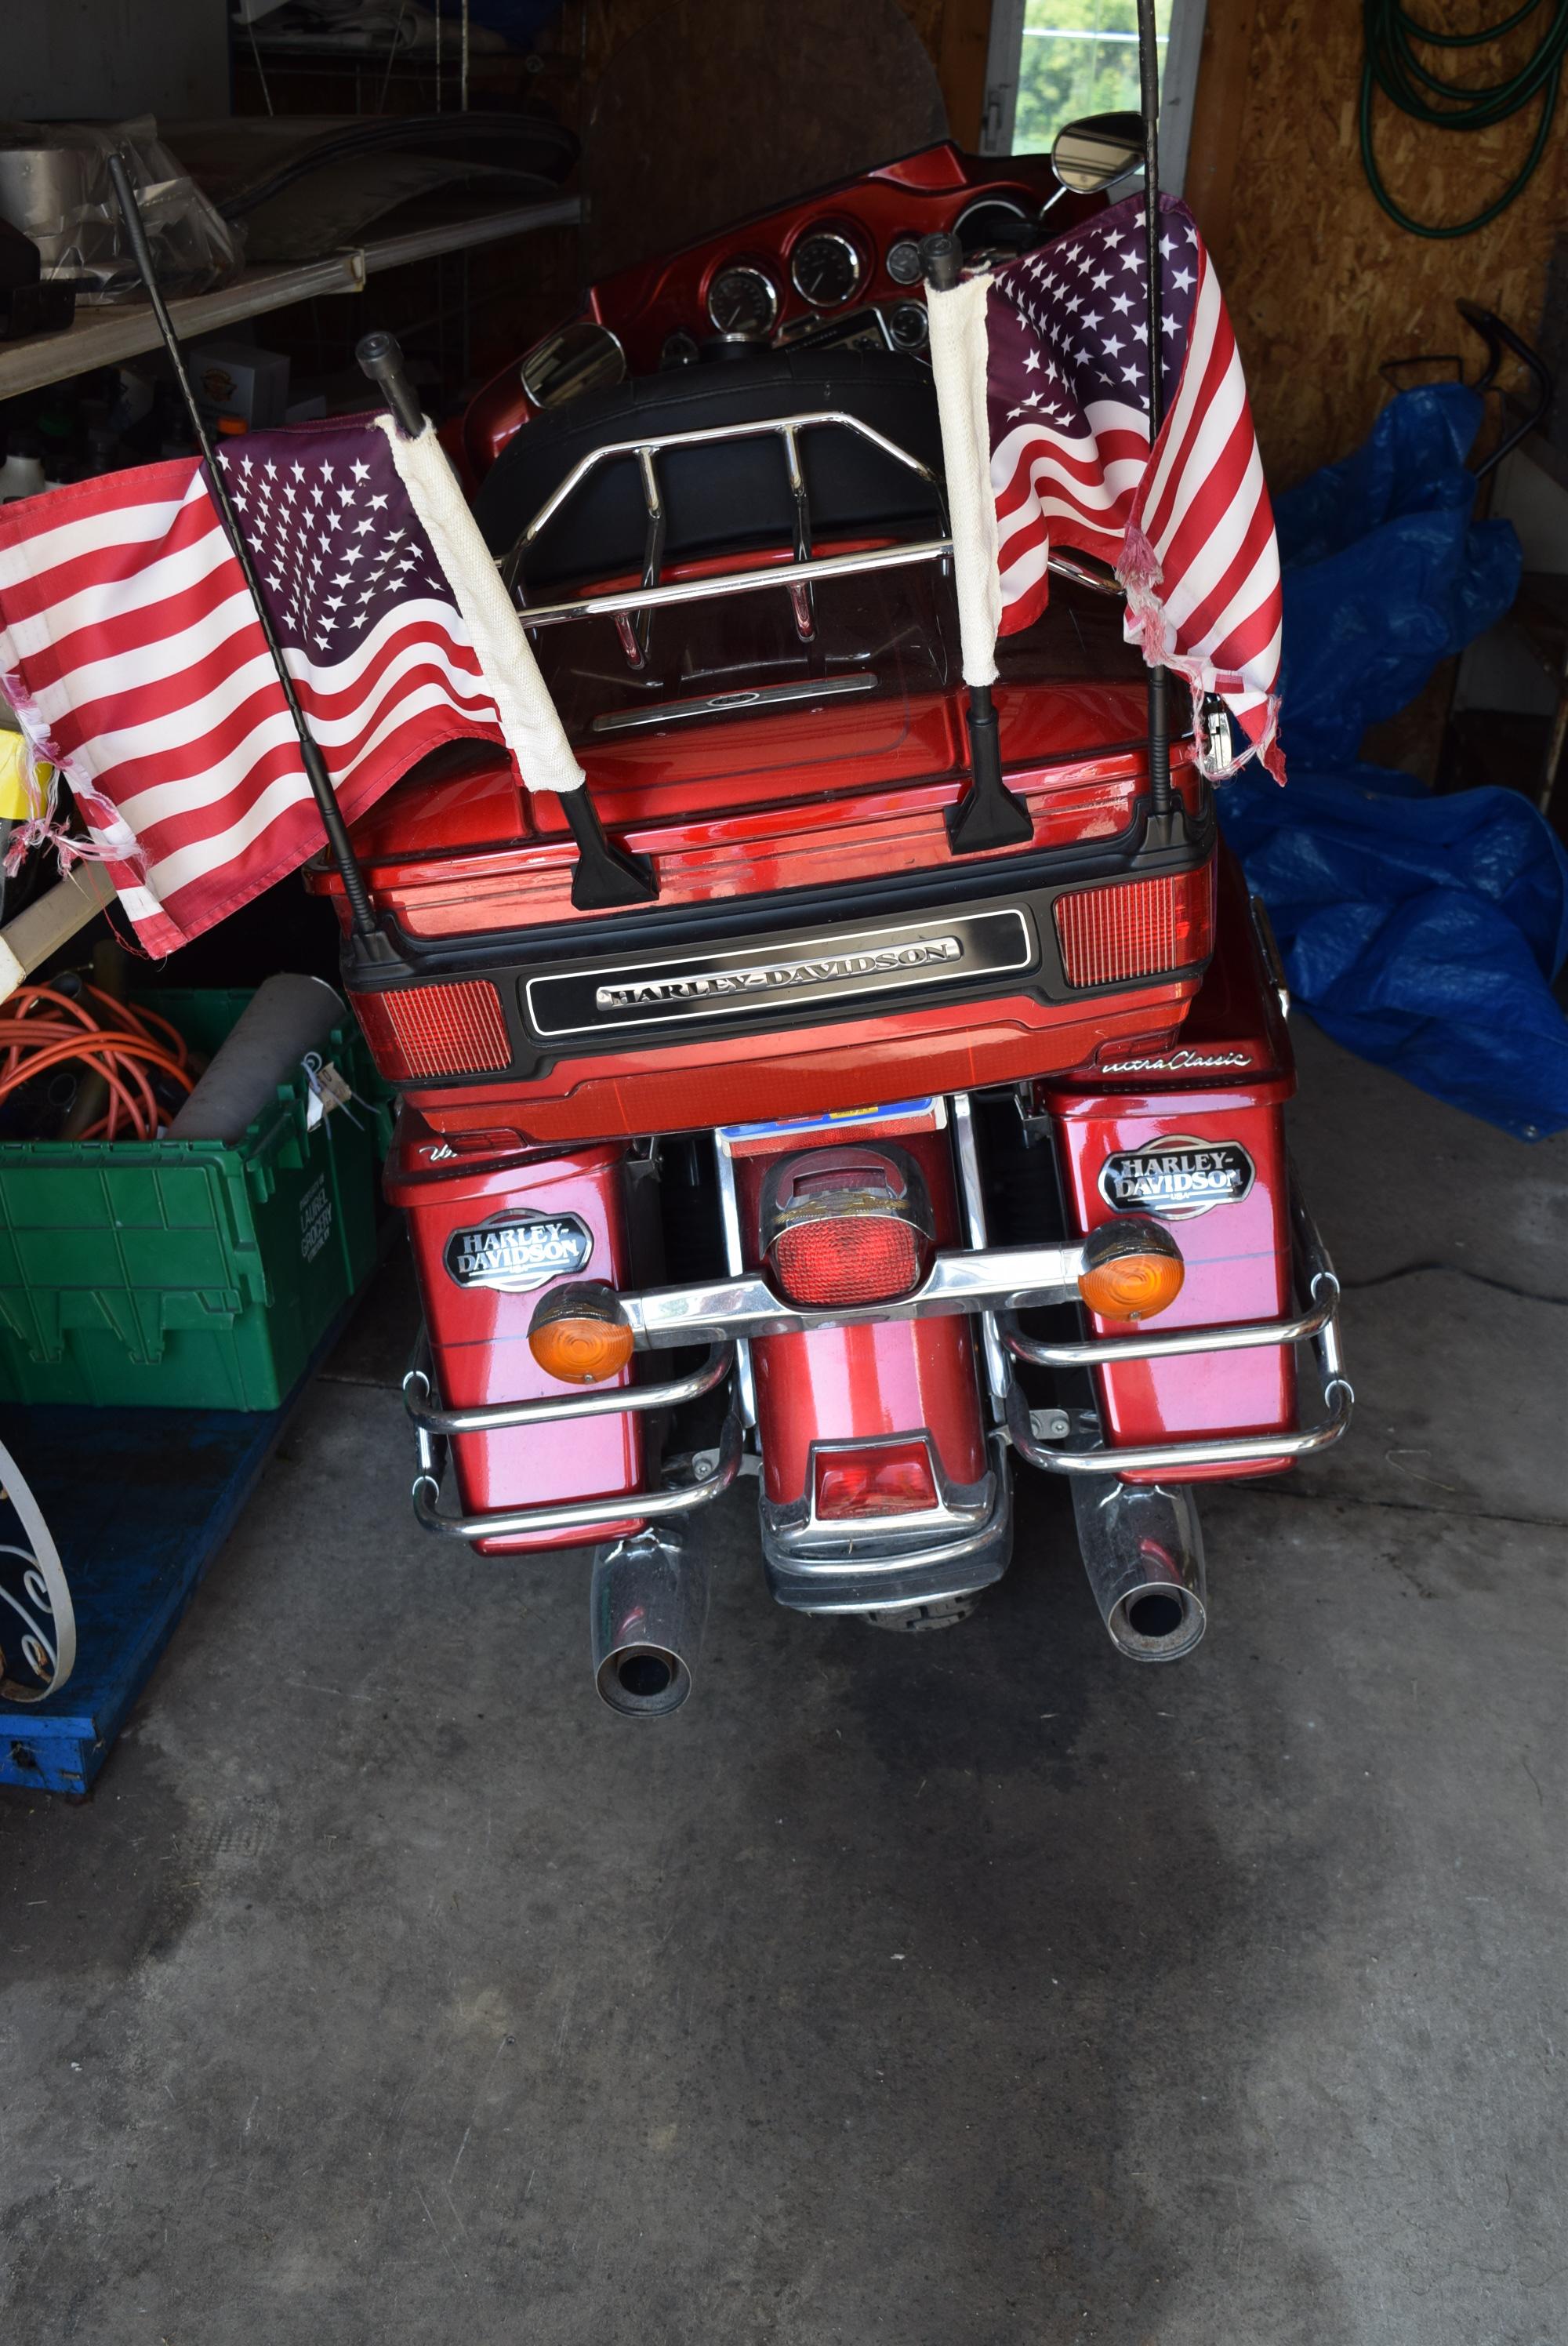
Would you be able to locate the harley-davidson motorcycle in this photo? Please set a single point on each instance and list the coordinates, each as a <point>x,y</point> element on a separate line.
<point>806,1135</point>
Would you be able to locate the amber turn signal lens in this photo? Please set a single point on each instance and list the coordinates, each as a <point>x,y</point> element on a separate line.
<point>579,1333</point>
<point>1132,1269</point>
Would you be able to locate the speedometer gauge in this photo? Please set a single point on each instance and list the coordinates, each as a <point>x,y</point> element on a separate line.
<point>742,300</point>
<point>825,269</point>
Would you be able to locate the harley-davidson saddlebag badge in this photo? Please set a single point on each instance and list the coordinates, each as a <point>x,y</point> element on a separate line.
<point>1176,1178</point>
<point>517,1251</point>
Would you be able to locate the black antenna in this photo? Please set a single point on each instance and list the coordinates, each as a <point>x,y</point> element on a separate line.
<point>360,914</point>
<point>987,815</point>
<point>607,876</point>
<point>1160,795</point>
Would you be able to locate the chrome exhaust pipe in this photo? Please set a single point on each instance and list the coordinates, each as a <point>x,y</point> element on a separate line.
<point>1143,1550</point>
<point>647,1605</point>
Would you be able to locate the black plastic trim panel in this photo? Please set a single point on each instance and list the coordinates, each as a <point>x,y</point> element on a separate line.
<point>803,958</point>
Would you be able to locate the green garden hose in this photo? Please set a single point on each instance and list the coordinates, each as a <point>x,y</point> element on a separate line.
<point>1393,36</point>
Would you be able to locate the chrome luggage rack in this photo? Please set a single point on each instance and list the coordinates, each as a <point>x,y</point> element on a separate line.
<point>991,1282</point>
<point>797,577</point>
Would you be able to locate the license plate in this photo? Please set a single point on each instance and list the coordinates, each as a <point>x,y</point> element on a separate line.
<point>928,1115</point>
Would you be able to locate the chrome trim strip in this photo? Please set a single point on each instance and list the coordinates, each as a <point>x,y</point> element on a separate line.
<point>419,1396</point>
<point>857,1559</point>
<point>795,1530</point>
<point>1083,575</point>
<point>582,1514</point>
<point>1268,947</point>
<point>734,704</point>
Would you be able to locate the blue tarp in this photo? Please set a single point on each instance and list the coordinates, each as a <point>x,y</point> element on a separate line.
<point>1422,932</point>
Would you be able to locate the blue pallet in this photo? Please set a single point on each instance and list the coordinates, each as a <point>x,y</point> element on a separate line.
<point>139,1502</point>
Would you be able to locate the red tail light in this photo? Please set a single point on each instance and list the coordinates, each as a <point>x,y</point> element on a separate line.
<point>885,1479</point>
<point>1136,928</point>
<point>435,1030</point>
<point>846,1225</point>
<point>860,1258</point>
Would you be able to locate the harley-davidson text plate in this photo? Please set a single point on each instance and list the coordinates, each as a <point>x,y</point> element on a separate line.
<point>698,986</point>
<point>518,1251</point>
<point>1176,1178</point>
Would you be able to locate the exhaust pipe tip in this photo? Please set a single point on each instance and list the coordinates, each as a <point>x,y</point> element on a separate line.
<point>643,1681</point>
<point>1143,1551</point>
<point>1160,1621</point>
<point>647,1605</point>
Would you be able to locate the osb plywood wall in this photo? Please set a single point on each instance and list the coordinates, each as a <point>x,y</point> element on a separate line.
<point>955,33</point>
<point>1321,284</point>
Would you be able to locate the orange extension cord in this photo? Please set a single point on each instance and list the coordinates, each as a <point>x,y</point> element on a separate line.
<point>41,1028</point>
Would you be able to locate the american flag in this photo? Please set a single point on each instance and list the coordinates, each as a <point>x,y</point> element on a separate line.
<point>1189,530</point>
<point>133,657</point>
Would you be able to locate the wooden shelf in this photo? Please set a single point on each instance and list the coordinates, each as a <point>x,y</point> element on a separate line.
<point>101,337</point>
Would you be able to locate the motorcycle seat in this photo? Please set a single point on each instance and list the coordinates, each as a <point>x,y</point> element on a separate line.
<point>722,497</point>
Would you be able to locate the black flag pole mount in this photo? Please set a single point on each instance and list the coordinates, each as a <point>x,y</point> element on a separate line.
<point>987,815</point>
<point>1160,797</point>
<point>606,877</point>
<point>361,915</point>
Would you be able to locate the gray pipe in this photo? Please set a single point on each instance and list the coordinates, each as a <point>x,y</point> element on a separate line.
<point>286,1016</point>
<point>647,1605</point>
<point>1143,1550</point>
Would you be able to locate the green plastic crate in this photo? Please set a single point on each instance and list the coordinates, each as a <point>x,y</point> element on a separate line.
<point>189,1274</point>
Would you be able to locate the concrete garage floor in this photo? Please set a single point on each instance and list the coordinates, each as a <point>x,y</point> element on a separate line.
<point>953,1991</point>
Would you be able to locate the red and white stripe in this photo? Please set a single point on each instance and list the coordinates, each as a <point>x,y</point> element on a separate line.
<point>134,656</point>
<point>1189,529</point>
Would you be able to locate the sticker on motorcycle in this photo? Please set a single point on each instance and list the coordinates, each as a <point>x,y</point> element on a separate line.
<point>516,1252</point>
<point>1176,1178</point>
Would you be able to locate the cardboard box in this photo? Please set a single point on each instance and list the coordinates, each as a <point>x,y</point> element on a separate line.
<point>238,379</point>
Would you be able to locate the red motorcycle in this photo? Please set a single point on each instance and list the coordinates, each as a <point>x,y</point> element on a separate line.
<point>812,1131</point>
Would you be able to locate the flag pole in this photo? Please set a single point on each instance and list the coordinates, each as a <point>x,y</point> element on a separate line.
<point>605,877</point>
<point>1160,797</point>
<point>361,913</point>
<point>987,816</point>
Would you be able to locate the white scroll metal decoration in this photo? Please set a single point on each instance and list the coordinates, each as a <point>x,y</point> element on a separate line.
<point>33,1592</point>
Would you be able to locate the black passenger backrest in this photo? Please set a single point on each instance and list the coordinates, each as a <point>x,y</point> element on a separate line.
<point>726,496</point>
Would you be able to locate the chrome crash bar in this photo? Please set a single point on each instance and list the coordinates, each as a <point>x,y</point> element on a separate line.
<point>435,1425</point>
<point>490,1417</point>
<point>574,1515</point>
<point>993,1282</point>
<point>1317,1325</point>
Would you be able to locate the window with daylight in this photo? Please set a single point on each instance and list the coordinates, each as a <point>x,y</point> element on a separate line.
<point>1053,60</point>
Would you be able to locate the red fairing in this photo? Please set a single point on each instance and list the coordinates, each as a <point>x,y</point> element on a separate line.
<point>479,1336</point>
<point>1225,1082</point>
<point>914,198</point>
<point>850,1384</point>
<point>805,1073</point>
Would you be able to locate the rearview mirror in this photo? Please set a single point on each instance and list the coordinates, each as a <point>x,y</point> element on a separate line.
<point>583,356</point>
<point>1091,154</point>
